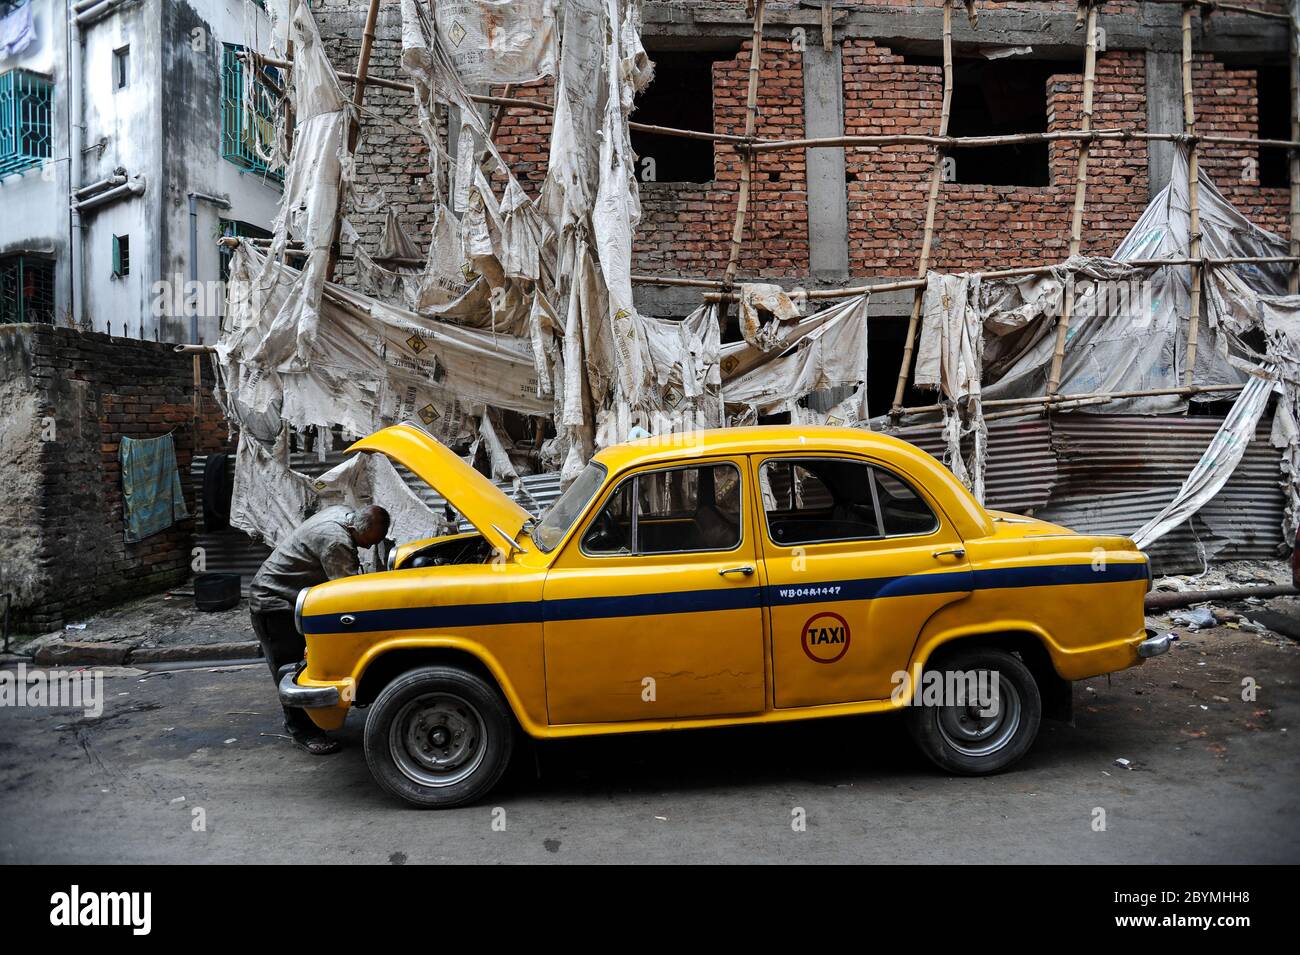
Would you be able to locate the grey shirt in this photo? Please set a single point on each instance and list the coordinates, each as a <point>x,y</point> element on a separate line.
<point>320,549</point>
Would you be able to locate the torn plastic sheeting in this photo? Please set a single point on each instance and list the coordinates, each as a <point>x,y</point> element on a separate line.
<point>372,364</point>
<point>772,299</point>
<point>499,41</point>
<point>1216,465</point>
<point>824,351</point>
<point>1128,327</point>
<point>268,499</point>
<point>950,358</point>
<point>309,205</point>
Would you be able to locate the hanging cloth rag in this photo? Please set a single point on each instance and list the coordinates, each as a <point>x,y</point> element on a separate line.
<point>152,499</point>
<point>16,30</point>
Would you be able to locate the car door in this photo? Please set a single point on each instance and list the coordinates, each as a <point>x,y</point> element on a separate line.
<point>654,609</point>
<point>857,558</point>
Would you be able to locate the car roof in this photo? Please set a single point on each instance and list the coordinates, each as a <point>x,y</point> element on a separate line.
<point>760,439</point>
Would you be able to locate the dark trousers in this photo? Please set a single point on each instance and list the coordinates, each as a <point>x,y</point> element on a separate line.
<point>281,644</point>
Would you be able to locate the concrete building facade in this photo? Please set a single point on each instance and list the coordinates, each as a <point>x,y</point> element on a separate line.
<point>114,215</point>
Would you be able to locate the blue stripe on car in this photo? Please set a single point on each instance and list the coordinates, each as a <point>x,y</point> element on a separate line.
<point>723,598</point>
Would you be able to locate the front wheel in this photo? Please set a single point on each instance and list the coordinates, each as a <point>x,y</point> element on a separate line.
<point>438,737</point>
<point>980,733</point>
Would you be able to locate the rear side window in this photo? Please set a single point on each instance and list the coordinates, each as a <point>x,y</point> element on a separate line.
<point>672,511</point>
<point>818,500</point>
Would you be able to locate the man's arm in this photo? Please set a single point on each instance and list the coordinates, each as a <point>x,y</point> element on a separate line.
<point>340,560</point>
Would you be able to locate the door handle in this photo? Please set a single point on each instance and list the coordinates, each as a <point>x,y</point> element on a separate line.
<point>954,552</point>
<point>745,569</point>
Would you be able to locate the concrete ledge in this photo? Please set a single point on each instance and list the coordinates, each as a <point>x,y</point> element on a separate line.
<point>204,651</point>
<point>81,654</point>
<point>108,654</point>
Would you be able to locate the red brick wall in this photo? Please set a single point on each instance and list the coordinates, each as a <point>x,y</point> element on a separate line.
<point>1227,105</point>
<point>980,226</point>
<point>686,227</point>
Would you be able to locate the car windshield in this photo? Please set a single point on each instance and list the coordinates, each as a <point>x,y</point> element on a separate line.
<point>550,530</point>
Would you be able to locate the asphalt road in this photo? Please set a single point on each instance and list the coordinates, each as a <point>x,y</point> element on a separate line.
<point>1213,779</point>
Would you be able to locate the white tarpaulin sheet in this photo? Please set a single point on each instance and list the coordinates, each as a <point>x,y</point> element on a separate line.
<point>499,41</point>
<point>1216,465</point>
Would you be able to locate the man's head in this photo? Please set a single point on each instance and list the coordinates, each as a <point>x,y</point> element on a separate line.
<point>369,525</point>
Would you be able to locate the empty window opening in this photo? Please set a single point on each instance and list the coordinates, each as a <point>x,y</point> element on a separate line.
<point>121,67</point>
<point>236,228</point>
<point>1000,98</point>
<point>680,95</point>
<point>26,289</point>
<point>121,255</point>
<point>1273,88</point>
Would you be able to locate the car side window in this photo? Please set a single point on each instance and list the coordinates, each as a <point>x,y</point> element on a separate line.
<point>611,530</point>
<point>902,510</point>
<point>817,500</point>
<point>676,510</point>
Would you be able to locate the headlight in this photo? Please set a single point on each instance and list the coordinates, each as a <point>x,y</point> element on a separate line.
<point>392,558</point>
<point>297,609</point>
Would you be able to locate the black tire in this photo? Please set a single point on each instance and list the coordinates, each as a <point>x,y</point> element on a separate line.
<point>948,736</point>
<point>439,737</point>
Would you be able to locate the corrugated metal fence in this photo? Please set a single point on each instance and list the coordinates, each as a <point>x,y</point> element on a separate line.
<point>1109,474</point>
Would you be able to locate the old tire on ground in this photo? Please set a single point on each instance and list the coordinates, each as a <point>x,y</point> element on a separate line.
<point>438,737</point>
<point>961,740</point>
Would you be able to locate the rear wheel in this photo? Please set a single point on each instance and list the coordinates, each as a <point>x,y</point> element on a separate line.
<point>438,737</point>
<point>977,737</point>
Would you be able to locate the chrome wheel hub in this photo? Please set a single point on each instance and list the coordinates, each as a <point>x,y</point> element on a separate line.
<point>976,730</point>
<point>438,739</point>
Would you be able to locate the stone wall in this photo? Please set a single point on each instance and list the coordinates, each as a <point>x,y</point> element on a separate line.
<point>68,398</point>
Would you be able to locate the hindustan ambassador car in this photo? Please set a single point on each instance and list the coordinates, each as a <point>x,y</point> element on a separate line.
<point>746,575</point>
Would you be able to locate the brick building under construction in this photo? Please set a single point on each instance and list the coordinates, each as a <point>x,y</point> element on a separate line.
<point>835,216</point>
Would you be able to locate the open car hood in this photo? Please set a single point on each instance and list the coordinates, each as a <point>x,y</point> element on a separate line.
<point>495,516</point>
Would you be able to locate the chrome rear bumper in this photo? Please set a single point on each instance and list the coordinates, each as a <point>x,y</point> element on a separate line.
<point>1156,643</point>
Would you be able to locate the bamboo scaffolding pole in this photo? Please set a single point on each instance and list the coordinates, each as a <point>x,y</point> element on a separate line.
<point>1087,396</point>
<point>353,125</point>
<point>931,204</point>
<point>717,291</point>
<point>720,295</point>
<point>1035,406</point>
<point>1213,6</point>
<point>1194,194</point>
<point>1293,284</point>
<point>747,155</point>
<point>1118,134</point>
<point>1080,192</point>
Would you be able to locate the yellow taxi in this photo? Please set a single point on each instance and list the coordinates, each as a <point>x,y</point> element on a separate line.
<point>714,578</point>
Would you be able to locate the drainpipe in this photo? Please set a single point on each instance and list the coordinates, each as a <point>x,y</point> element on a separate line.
<point>76,137</point>
<point>220,203</point>
<point>86,14</point>
<point>117,179</point>
<point>125,191</point>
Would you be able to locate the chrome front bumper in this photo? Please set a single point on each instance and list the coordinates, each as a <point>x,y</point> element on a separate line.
<point>1156,643</point>
<point>306,697</point>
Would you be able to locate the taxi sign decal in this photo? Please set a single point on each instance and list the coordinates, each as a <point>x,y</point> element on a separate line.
<point>825,637</point>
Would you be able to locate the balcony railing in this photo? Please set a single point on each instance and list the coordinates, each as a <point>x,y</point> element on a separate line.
<point>248,116</point>
<point>25,128</point>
